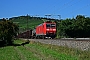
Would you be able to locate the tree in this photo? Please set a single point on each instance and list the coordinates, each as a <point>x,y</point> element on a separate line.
<point>75,27</point>
<point>8,30</point>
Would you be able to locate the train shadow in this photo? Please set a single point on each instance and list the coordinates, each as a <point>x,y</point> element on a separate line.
<point>14,44</point>
<point>27,42</point>
<point>4,45</point>
<point>22,44</point>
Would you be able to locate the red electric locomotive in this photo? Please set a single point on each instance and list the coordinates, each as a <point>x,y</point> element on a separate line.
<point>46,30</point>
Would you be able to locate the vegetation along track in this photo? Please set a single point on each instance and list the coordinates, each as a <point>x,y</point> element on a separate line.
<point>71,43</point>
<point>21,56</point>
<point>38,53</point>
<point>27,52</point>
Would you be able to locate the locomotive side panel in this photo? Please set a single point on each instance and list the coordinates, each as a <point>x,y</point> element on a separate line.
<point>40,30</point>
<point>44,28</point>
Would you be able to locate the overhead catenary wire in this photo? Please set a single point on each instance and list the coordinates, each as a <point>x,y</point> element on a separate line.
<point>85,6</point>
<point>64,5</point>
<point>81,8</point>
<point>66,8</point>
<point>70,5</point>
<point>54,11</point>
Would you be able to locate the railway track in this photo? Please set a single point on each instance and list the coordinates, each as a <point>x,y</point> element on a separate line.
<point>81,44</point>
<point>65,39</point>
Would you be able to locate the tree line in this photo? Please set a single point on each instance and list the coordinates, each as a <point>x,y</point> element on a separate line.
<point>74,28</point>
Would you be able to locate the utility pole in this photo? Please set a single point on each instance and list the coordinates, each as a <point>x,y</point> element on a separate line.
<point>27,21</point>
<point>27,34</point>
<point>48,15</point>
<point>59,17</point>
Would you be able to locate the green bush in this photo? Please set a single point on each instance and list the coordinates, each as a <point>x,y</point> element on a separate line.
<point>8,30</point>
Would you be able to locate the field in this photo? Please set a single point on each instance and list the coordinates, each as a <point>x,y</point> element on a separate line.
<point>39,51</point>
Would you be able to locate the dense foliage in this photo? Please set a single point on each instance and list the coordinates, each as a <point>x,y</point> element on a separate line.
<point>75,27</point>
<point>7,31</point>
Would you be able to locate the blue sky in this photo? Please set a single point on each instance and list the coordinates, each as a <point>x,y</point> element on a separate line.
<point>65,8</point>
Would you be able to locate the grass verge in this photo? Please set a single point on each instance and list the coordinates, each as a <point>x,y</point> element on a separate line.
<point>39,51</point>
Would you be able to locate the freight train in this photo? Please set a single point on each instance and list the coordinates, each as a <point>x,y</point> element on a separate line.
<point>44,30</point>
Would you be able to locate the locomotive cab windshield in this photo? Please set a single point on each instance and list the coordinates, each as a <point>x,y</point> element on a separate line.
<point>50,25</point>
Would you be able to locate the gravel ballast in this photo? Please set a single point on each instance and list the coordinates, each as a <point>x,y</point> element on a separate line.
<point>81,45</point>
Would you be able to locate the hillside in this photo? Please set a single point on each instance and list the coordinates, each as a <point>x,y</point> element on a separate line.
<point>26,22</point>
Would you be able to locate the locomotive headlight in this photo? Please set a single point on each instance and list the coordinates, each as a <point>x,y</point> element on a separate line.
<point>47,29</point>
<point>54,29</point>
